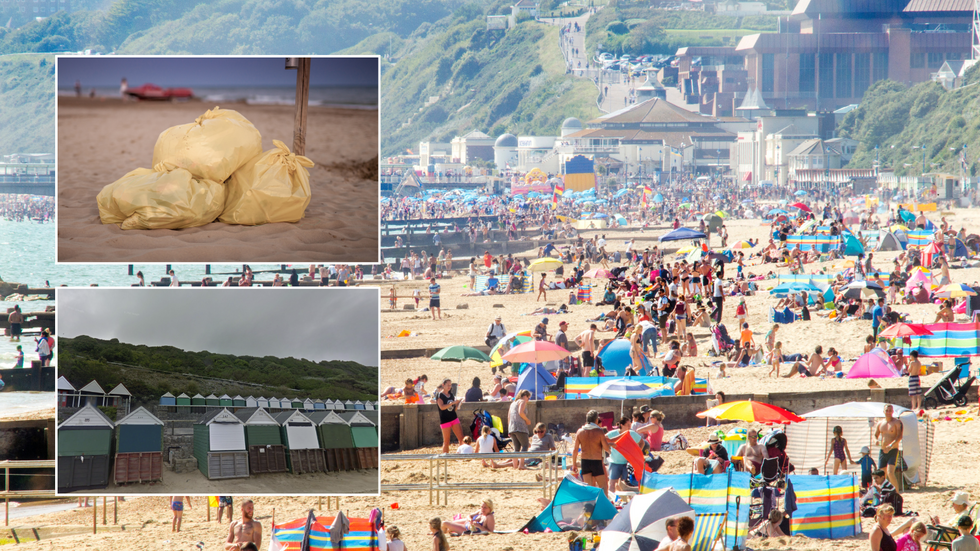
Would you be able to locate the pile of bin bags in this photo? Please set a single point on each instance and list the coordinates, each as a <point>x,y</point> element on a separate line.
<point>212,168</point>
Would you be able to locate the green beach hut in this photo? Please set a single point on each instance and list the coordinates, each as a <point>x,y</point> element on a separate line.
<point>219,445</point>
<point>266,452</point>
<point>84,450</point>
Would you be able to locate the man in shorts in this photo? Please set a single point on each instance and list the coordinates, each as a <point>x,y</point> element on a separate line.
<point>16,318</point>
<point>177,506</point>
<point>434,306</point>
<point>586,341</point>
<point>618,463</point>
<point>591,439</point>
<point>246,531</point>
<point>889,433</point>
<point>225,502</point>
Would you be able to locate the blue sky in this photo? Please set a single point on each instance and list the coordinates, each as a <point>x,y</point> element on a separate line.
<point>225,72</point>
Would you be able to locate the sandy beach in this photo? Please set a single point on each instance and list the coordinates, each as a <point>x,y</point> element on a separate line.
<point>351,482</point>
<point>99,140</point>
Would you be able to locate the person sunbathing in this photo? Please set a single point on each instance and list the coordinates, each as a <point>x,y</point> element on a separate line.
<point>770,528</point>
<point>479,522</point>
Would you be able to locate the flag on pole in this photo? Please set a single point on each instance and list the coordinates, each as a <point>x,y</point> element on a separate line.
<point>559,190</point>
<point>646,194</point>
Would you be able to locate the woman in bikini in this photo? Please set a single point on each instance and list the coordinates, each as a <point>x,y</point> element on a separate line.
<point>480,522</point>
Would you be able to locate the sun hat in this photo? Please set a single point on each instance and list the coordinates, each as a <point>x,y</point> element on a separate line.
<point>865,450</point>
<point>960,498</point>
<point>713,439</point>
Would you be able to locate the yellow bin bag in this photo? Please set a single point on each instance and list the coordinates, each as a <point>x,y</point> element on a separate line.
<point>163,198</point>
<point>273,187</point>
<point>212,147</point>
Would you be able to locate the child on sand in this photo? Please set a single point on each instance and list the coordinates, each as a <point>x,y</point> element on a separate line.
<point>177,506</point>
<point>775,359</point>
<point>467,446</point>
<point>486,444</point>
<point>839,450</point>
<point>868,466</point>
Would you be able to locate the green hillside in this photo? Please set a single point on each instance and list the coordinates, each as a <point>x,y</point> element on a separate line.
<point>26,104</point>
<point>896,118</point>
<point>151,371</point>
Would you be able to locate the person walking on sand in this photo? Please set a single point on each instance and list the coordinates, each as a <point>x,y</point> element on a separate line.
<point>448,417</point>
<point>591,439</point>
<point>889,433</point>
<point>542,288</point>
<point>839,451</point>
<point>434,304</point>
<point>246,531</point>
<point>225,502</point>
<point>177,506</point>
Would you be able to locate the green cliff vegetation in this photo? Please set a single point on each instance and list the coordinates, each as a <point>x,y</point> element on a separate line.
<point>896,118</point>
<point>151,371</point>
<point>27,104</point>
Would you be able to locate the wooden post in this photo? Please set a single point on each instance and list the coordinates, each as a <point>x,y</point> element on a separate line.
<point>302,99</point>
<point>95,514</point>
<point>115,510</point>
<point>105,511</point>
<point>319,503</point>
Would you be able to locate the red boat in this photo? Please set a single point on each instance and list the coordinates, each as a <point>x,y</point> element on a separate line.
<point>152,92</point>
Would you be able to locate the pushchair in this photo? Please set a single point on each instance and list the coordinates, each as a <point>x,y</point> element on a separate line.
<point>482,417</point>
<point>948,391</point>
<point>720,341</point>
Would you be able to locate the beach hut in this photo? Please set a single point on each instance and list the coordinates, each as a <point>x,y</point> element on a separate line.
<point>358,405</point>
<point>67,395</point>
<point>273,403</point>
<point>371,414</point>
<point>348,405</point>
<point>328,404</point>
<point>119,397</point>
<point>336,440</point>
<point>365,436</point>
<point>262,402</point>
<point>308,404</point>
<point>338,405</point>
<point>84,450</point>
<point>238,401</point>
<point>92,394</point>
<point>296,403</point>
<point>266,453</point>
<point>369,405</point>
<point>183,400</point>
<point>319,405</point>
<point>225,401</point>
<point>139,447</point>
<point>251,402</point>
<point>198,400</point>
<point>219,445</point>
<point>303,453</point>
<point>168,400</point>
<point>211,400</point>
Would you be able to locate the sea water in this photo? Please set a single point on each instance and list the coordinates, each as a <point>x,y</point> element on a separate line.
<point>15,404</point>
<point>351,97</point>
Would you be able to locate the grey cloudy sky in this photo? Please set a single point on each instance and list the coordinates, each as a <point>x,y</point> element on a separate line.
<point>316,324</point>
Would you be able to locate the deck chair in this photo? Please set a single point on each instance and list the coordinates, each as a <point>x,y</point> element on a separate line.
<point>707,530</point>
<point>941,537</point>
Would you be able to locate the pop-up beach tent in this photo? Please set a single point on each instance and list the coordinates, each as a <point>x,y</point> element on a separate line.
<point>565,512</point>
<point>615,356</point>
<point>889,242</point>
<point>876,363</point>
<point>727,492</point>
<point>536,379</point>
<point>807,443</point>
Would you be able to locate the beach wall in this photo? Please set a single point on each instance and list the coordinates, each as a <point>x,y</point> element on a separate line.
<point>408,427</point>
<point>28,440</point>
<point>36,378</point>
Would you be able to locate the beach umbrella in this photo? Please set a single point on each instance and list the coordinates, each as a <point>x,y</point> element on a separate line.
<point>873,364</point>
<point>901,330</point>
<point>536,352</point>
<point>955,290</point>
<point>599,273</point>
<point>801,206</point>
<point>459,353</point>
<point>624,389</point>
<point>747,201</point>
<point>658,198</point>
<point>863,290</point>
<point>776,211</point>
<point>642,524</point>
<point>681,234</point>
<point>721,213</point>
<point>740,245</point>
<point>869,410</point>
<point>545,264</point>
<point>783,201</point>
<point>807,225</point>
<point>508,341</point>
<point>799,193</point>
<point>784,289</point>
<point>688,249</point>
<point>713,221</point>
<point>684,206</point>
<point>752,412</point>
<point>620,193</point>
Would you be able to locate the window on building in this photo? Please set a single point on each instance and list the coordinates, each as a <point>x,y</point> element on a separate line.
<point>827,75</point>
<point>844,88</point>
<point>918,60</point>
<point>880,66</point>
<point>954,56</point>
<point>935,60</point>
<point>862,73</point>
<point>808,72</point>
<point>768,72</point>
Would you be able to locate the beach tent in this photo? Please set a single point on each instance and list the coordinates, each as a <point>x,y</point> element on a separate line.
<point>852,245</point>
<point>959,250</point>
<point>783,317</point>
<point>889,242</point>
<point>681,234</point>
<point>84,450</point>
<point>642,524</point>
<point>918,275</point>
<point>615,356</point>
<point>827,506</point>
<point>303,452</point>
<point>219,445</point>
<point>714,493</point>
<point>364,431</point>
<point>536,379</point>
<point>336,440</point>
<point>571,500</point>
<point>807,443</point>
<point>139,448</point>
<point>266,452</point>
<point>876,363</point>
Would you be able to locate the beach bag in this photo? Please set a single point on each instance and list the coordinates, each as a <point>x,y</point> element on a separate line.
<point>163,198</point>
<point>212,147</point>
<point>272,187</point>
